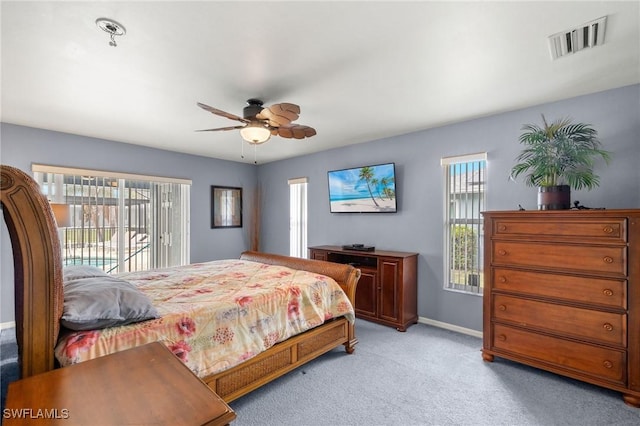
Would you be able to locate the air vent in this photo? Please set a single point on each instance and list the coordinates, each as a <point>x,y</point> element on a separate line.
<point>574,40</point>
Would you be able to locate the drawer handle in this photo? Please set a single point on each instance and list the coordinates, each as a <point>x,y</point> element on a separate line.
<point>502,252</point>
<point>502,228</point>
<point>607,292</point>
<point>502,279</point>
<point>607,364</point>
<point>608,230</point>
<point>608,259</point>
<point>502,307</point>
<point>607,326</point>
<point>501,337</point>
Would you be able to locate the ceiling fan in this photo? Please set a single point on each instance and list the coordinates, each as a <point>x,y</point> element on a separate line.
<point>259,122</point>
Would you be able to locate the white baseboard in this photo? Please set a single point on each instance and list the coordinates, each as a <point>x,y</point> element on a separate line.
<point>10,324</point>
<point>452,327</point>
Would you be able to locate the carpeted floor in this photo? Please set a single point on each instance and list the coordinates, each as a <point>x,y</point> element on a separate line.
<point>426,376</point>
<point>8,360</point>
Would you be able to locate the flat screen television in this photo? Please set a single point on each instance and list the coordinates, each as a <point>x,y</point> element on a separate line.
<point>367,189</point>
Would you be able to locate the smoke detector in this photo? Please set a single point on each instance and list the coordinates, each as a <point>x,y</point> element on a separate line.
<point>111,27</point>
<point>574,40</point>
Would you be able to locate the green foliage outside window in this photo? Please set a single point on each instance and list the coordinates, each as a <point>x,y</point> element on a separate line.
<point>465,247</point>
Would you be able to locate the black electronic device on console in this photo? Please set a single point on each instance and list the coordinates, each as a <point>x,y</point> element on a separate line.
<point>358,247</point>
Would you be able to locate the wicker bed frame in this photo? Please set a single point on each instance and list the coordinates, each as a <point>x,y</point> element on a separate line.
<point>39,296</point>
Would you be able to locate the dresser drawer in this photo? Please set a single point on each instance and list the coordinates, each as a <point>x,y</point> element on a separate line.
<point>595,361</point>
<point>597,291</point>
<point>595,326</point>
<point>580,258</point>
<point>613,229</point>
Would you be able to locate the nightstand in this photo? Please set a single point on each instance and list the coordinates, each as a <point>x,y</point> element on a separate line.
<point>143,385</point>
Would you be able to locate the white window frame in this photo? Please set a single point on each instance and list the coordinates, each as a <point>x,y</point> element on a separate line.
<point>298,217</point>
<point>465,210</point>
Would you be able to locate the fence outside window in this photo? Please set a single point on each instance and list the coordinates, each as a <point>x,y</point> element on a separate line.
<point>118,222</point>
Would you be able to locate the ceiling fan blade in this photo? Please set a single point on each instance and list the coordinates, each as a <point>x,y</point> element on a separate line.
<point>279,114</point>
<point>221,113</point>
<point>221,128</point>
<point>295,131</point>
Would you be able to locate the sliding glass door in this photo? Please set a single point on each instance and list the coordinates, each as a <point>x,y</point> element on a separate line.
<point>119,222</point>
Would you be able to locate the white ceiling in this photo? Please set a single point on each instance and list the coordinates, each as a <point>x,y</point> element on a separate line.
<point>359,70</point>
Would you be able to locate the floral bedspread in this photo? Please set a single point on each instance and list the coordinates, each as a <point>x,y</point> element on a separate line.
<point>215,315</point>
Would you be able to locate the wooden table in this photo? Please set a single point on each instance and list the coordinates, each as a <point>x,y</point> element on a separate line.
<point>141,386</point>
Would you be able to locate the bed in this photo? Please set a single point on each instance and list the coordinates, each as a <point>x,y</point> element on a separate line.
<point>39,298</point>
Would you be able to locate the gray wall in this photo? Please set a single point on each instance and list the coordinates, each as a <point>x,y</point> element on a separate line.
<point>22,146</point>
<point>418,226</point>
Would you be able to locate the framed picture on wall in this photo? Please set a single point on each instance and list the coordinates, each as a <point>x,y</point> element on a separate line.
<point>226,207</point>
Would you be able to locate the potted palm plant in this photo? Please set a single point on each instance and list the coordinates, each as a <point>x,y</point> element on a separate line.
<point>557,157</point>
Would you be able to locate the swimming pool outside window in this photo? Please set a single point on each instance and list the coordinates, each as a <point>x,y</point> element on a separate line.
<point>120,222</point>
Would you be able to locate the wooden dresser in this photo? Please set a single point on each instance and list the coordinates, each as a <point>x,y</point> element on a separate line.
<point>562,293</point>
<point>387,288</point>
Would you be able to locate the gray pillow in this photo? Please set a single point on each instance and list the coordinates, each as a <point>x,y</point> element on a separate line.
<point>92,303</point>
<point>73,272</point>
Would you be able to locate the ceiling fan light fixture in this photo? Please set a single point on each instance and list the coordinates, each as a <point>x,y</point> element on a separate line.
<point>255,133</point>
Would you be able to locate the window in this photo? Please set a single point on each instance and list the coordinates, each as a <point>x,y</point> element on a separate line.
<point>298,217</point>
<point>465,186</point>
<point>119,222</point>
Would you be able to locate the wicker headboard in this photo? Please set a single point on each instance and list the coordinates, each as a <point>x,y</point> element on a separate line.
<point>37,260</point>
<point>345,275</point>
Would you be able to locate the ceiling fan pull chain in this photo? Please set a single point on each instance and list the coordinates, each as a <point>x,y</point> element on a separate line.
<point>255,155</point>
<point>242,149</point>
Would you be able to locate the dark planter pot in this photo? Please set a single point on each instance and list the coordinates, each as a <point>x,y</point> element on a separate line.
<point>554,197</point>
<point>473,280</point>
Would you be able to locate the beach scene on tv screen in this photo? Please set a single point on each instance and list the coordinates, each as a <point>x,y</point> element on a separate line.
<point>363,189</point>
